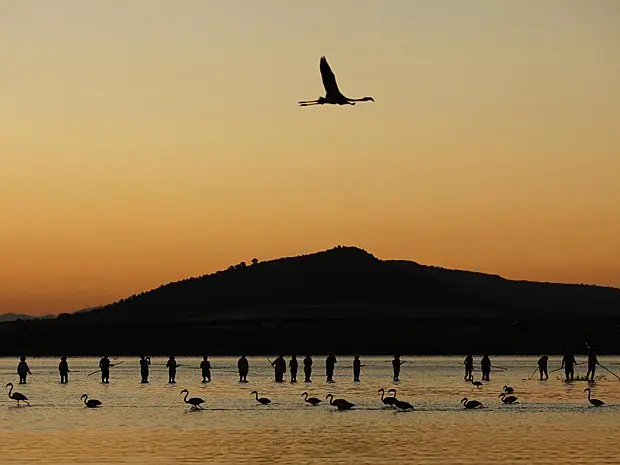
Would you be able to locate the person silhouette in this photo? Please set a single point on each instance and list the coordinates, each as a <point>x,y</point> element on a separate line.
<point>396,363</point>
<point>144,368</point>
<point>293,365</point>
<point>279,365</point>
<point>568,363</point>
<point>63,369</point>
<point>308,368</point>
<point>469,367</point>
<point>485,367</point>
<point>592,362</point>
<point>104,365</point>
<point>542,367</point>
<point>330,363</point>
<point>243,367</point>
<point>357,368</point>
<point>205,366</point>
<point>172,366</point>
<point>23,370</point>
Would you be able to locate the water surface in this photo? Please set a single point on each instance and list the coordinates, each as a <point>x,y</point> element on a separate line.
<point>140,424</point>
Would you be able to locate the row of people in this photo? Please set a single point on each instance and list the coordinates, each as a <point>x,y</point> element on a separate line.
<point>279,365</point>
<point>568,363</point>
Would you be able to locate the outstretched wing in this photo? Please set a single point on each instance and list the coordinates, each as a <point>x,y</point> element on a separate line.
<point>329,80</point>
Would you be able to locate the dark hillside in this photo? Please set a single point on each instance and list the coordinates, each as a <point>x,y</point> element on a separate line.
<point>343,299</point>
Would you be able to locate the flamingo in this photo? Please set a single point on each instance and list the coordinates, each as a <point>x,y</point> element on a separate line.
<point>509,390</point>
<point>310,400</point>
<point>507,399</point>
<point>595,402</point>
<point>470,403</point>
<point>389,401</point>
<point>333,95</point>
<point>340,404</point>
<point>478,384</point>
<point>90,403</point>
<point>261,400</point>
<point>401,404</point>
<point>18,396</point>
<point>193,401</point>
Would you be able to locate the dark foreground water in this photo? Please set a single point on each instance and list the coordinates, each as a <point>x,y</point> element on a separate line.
<point>150,424</point>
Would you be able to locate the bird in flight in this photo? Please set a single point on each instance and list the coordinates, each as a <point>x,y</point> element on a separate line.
<point>333,95</point>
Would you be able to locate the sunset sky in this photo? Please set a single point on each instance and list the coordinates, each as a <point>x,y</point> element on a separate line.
<point>147,141</point>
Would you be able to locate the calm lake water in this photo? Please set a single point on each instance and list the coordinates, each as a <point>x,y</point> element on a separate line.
<point>150,424</point>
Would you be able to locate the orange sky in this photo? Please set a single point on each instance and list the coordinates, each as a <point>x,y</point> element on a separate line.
<point>160,140</point>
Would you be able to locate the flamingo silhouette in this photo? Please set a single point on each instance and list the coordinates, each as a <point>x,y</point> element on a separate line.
<point>470,403</point>
<point>90,403</point>
<point>595,402</point>
<point>193,401</point>
<point>310,400</point>
<point>18,396</point>
<point>261,400</point>
<point>340,404</point>
<point>333,95</point>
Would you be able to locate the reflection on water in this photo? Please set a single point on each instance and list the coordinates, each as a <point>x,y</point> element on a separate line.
<point>149,423</point>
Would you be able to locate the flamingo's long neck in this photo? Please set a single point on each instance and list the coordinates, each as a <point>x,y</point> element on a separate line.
<point>256,395</point>
<point>185,398</point>
<point>85,400</point>
<point>382,394</point>
<point>10,391</point>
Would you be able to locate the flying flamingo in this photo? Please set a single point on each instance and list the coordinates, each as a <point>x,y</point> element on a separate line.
<point>333,95</point>
<point>18,396</point>
<point>90,403</point>
<point>193,401</point>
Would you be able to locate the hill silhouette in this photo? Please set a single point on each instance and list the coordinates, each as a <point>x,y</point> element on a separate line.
<point>343,299</point>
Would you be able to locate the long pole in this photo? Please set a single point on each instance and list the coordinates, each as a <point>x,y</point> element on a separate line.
<point>605,368</point>
<point>534,372</point>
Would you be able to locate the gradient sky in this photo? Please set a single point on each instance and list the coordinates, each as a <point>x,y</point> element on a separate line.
<point>147,141</point>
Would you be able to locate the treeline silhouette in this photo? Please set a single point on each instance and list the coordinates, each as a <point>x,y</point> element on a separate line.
<point>342,300</point>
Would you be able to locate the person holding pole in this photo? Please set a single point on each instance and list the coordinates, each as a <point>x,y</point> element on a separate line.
<point>568,363</point>
<point>592,362</point>
<point>542,367</point>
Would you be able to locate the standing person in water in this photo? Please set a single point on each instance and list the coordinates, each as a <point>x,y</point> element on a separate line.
<point>205,366</point>
<point>293,365</point>
<point>357,368</point>
<point>396,363</point>
<point>330,363</point>
<point>279,365</point>
<point>243,367</point>
<point>23,370</point>
<point>592,362</point>
<point>104,366</point>
<point>308,368</point>
<point>469,367</point>
<point>172,366</point>
<point>144,368</point>
<point>63,369</point>
<point>542,367</point>
<point>568,363</point>
<point>485,367</point>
